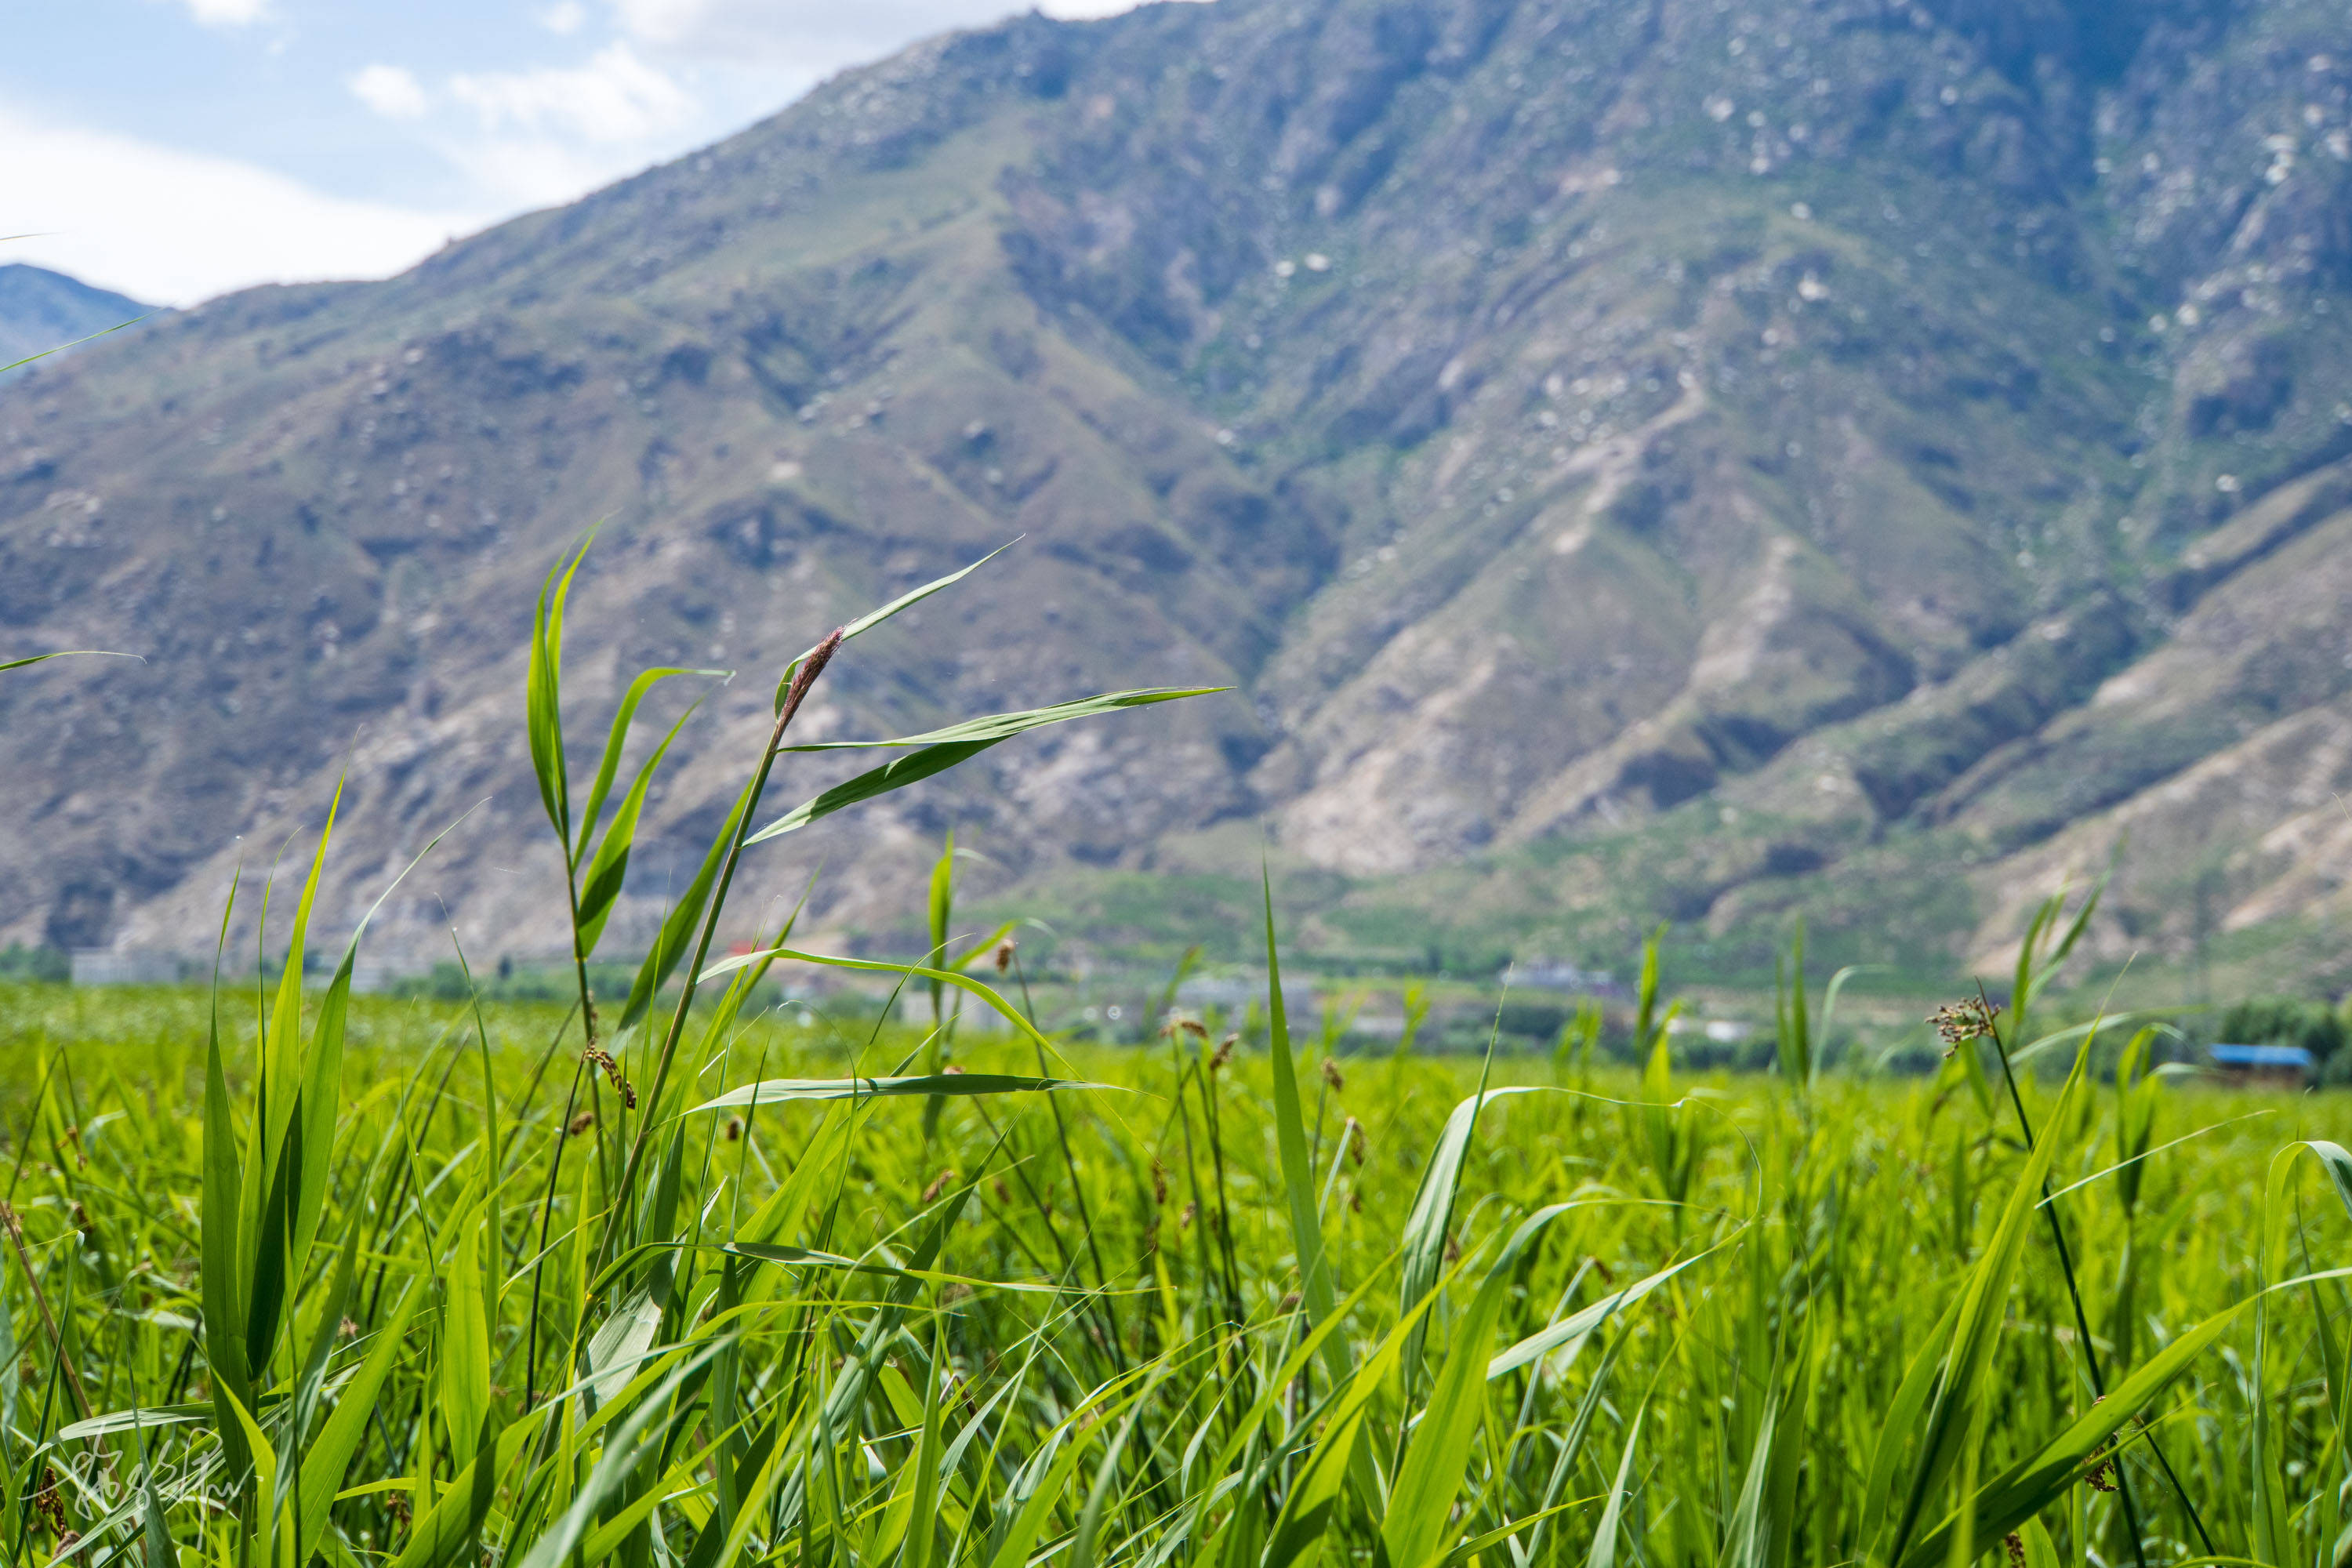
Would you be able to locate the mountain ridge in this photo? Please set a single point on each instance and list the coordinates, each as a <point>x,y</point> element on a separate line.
<point>42,311</point>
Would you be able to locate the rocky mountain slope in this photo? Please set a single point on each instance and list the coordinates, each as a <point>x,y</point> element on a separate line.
<point>1688,460</point>
<point>41,310</point>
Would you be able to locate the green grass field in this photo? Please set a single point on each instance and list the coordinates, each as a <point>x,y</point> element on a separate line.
<point>1658,1322</point>
<point>676,1280</point>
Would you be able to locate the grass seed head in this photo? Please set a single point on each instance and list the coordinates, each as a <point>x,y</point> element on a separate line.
<point>1960,1022</point>
<point>47,1505</point>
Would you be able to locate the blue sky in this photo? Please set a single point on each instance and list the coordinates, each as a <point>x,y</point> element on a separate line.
<point>178,149</point>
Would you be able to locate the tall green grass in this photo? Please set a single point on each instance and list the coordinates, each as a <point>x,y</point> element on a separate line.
<point>287,1279</point>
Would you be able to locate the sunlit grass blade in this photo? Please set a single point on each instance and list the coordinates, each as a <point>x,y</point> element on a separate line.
<point>1290,1143</point>
<point>1427,1226</point>
<point>2039,1480</point>
<point>329,1454</point>
<point>1613,1515</point>
<point>1429,1479</point>
<point>608,868</point>
<point>678,928</point>
<point>61,653</point>
<point>608,764</point>
<point>1571,1333</point>
<point>941,750</point>
<point>778,1090</point>
<point>544,705</point>
<point>980,988</point>
<point>908,600</point>
<point>1975,1329</point>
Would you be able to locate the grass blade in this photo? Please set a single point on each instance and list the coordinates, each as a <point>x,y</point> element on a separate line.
<point>943,749</point>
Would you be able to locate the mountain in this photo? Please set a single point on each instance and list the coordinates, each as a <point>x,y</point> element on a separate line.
<point>41,311</point>
<point>1681,460</point>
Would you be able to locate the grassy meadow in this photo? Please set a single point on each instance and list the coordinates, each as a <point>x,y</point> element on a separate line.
<point>678,1279</point>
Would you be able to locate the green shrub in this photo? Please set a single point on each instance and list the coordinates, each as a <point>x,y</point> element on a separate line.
<point>2285,1021</point>
<point>18,961</point>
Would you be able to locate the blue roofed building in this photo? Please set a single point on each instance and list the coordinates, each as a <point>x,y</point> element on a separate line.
<point>2277,1063</point>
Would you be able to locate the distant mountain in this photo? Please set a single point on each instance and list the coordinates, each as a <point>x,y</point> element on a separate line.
<point>41,310</point>
<point>1667,461</point>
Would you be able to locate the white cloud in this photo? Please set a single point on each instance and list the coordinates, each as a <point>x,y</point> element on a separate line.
<point>819,37</point>
<point>391,90</point>
<point>177,227</point>
<point>519,174</point>
<point>227,13</point>
<point>615,97</point>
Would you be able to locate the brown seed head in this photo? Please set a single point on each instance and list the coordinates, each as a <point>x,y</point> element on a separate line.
<point>47,1506</point>
<point>939,1185</point>
<point>1005,954</point>
<point>1960,1022</point>
<point>1331,1076</point>
<point>579,1124</point>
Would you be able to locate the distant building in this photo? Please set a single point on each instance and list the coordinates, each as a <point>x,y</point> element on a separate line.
<point>367,977</point>
<point>2289,1066</point>
<point>1554,974</point>
<point>105,966</point>
<point>1208,991</point>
